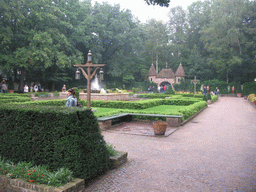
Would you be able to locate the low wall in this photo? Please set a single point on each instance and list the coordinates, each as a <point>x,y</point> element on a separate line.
<point>106,97</point>
<point>98,96</point>
<point>18,185</point>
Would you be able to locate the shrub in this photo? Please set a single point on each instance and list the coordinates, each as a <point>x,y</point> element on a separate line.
<point>53,136</point>
<point>170,91</point>
<point>249,88</point>
<point>209,96</point>
<point>205,98</point>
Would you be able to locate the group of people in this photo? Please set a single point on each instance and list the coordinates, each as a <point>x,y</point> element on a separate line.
<point>35,88</point>
<point>162,88</point>
<point>207,90</point>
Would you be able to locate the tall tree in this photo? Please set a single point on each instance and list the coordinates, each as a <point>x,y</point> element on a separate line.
<point>222,36</point>
<point>117,39</point>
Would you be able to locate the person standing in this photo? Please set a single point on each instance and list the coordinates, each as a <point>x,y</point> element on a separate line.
<point>208,88</point>
<point>64,88</point>
<point>205,90</point>
<point>233,89</point>
<point>39,87</point>
<point>72,100</point>
<point>217,91</point>
<point>4,87</point>
<point>25,89</point>
<point>35,88</point>
<point>164,88</point>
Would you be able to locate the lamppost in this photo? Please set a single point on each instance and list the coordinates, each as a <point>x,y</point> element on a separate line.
<point>88,75</point>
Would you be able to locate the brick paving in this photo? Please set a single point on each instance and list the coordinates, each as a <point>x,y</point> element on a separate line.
<point>139,128</point>
<point>216,151</point>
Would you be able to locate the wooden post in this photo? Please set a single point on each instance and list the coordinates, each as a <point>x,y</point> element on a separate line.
<point>89,76</point>
<point>195,81</point>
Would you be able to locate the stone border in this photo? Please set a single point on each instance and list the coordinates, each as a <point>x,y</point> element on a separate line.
<point>19,185</point>
<point>118,160</point>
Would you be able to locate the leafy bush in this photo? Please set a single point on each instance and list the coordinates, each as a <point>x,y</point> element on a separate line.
<point>170,91</point>
<point>209,97</point>
<point>249,88</point>
<point>35,174</point>
<point>53,136</point>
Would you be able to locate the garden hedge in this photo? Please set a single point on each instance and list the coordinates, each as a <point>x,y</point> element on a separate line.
<point>53,136</point>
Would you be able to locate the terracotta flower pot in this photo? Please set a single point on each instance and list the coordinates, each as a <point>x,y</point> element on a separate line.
<point>159,127</point>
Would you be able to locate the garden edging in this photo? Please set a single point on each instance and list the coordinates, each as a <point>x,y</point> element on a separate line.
<point>19,185</point>
<point>193,116</point>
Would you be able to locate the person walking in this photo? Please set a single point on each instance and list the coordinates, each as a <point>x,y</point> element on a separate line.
<point>72,100</point>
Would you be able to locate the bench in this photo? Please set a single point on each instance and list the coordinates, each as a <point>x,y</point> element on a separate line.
<point>106,122</point>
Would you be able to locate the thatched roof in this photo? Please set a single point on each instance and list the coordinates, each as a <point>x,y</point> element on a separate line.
<point>180,72</point>
<point>152,71</point>
<point>166,73</point>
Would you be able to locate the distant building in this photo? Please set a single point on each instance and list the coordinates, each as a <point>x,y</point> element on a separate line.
<point>166,76</point>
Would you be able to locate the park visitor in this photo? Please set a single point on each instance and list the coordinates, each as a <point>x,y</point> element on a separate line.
<point>64,88</point>
<point>72,100</point>
<point>25,89</point>
<point>217,91</point>
<point>205,90</point>
<point>3,88</point>
<point>35,88</point>
<point>208,88</point>
<point>233,89</point>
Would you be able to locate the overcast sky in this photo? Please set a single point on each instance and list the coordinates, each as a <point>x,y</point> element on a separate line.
<point>145,12</point>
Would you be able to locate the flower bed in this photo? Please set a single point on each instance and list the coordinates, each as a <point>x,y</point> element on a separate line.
<point>19,185</point>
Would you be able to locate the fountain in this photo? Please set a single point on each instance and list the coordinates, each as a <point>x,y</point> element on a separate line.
<point>98,93</point>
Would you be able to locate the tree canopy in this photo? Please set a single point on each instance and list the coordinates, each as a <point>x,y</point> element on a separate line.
<point>42,40</point>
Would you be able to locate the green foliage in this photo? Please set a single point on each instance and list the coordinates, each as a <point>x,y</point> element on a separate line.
<point>35,173</point>
<point>214,98</point>
<point>249,88</point>
<point>205,98</point>
<point>209,97</point>
<point>53,136</point>
<point>192,109</point>
<point>170,91</point>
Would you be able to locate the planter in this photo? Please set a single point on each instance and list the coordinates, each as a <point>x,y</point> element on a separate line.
<point>239,94</point>
<point>159,127</point>
<point>19,185</point>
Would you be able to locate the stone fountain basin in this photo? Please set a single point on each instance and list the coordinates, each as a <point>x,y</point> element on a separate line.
<point>106,97</point>
<point>98,96</point>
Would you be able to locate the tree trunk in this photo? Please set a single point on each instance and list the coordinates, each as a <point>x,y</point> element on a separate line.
<point>227,76</point>
<point>22,77</point>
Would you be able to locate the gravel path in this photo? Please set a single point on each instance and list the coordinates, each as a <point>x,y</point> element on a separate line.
<point>216,151</point>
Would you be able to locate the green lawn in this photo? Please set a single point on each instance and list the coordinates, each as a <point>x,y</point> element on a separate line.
<point>161,109</point>
<point>165,108</point>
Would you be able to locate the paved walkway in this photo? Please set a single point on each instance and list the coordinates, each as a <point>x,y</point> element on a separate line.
<point>216,151</point>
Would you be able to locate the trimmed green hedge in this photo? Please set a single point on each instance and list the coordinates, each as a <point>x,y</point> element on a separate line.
<point>55,136</point>
<point>192,109</point>
<point>14,99</point>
